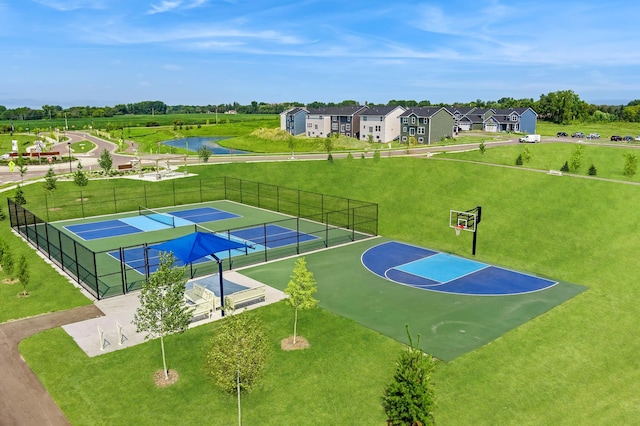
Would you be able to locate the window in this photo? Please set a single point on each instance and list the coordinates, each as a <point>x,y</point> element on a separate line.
<point>316,127</point>
<point>381,118</point>
<point>370,129</point>
<point>334,118</point>
<point>412,131</point>
<point>378,128</point>
<point>404,139</point>
<point>309,125</point>
<point>334,126</point>
<point>364,118</point>
<point>421,130</point>
<point>405,120</point>
<point>342,129</point>
<point>348,127</point>
<point>420,140</point>
<point>413,120</point>
<point>404,129</point>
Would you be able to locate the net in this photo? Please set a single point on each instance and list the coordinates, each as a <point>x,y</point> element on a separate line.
<point>164,218</point>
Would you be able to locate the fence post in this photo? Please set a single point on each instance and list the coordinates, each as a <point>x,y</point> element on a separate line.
<point>95,274</point>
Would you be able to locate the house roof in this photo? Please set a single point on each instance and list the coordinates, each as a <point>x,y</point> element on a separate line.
<point>342,111</point>
<point>423,111</point>
<point>381,110</point>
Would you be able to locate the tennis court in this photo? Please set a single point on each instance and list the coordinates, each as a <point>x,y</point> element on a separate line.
<point>148,220</point>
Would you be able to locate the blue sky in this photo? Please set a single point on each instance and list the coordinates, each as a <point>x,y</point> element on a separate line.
<point>199,52</point>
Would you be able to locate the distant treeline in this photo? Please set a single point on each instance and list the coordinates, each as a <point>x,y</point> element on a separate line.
<point>559,107</point>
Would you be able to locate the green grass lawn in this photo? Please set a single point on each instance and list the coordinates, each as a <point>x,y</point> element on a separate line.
<point>338,380</point>
<point>575,364</point>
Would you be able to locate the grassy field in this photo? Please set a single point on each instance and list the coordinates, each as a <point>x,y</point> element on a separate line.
<point>609,161</point>
<point>576,364</point>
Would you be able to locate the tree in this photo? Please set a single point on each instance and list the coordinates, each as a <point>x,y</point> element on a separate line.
<point>204,153</point>
<point>22,166</point>
<point>23,274</point>
<point>7,262</point>
<point>80,177</point>
<point>162,310</point>
<point>519,160</point>
<point>50,181</point>
<point>105,161</point>
<point>630,164</point>
<point>526,155</point>
<point>576,159</point>
<point>238,354</point>
<point>291,142</point>
<point>300,289</point>
<point>410,398</point>
<point>565,167</point>
<point>328,145</point>
<point>592,170</point>
<point>482,147</point>
<point>19,196</point>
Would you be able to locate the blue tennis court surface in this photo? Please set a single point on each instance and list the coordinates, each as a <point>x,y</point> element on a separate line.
<point>273,236</point>
<point>142,223</point>
<point>203,214</point>
<point>431,270</point>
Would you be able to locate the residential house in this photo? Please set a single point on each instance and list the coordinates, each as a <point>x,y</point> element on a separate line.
<point>460,115</point>
<point>381,123</point>
<point>478,117</point>
<point>323,122</point>
<point>512,120</point>
<point>293,120</point>
<point>427,124</point>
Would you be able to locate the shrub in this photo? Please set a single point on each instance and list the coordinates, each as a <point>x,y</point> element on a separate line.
<point>592,170</point>
<point>565,167</point>
<point>519,160</point>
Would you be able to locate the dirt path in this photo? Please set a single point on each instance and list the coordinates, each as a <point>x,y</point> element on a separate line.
<point>23,399</point>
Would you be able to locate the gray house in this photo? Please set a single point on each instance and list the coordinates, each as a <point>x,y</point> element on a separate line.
<point>512,120</point>
<point>427,125</point>
<point>293,120</point>
<point>323,122</point>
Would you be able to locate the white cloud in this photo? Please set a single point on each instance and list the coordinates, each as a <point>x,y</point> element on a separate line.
<point>69,5</point>
<point>168,6</point>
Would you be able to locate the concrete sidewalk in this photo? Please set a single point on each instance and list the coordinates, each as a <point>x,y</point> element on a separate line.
<point>119,311</point>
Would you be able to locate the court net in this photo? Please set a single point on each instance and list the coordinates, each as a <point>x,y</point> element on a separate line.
<point>164,218</point>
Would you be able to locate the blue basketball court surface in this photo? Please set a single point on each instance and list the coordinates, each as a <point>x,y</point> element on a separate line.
<point>430,270</point>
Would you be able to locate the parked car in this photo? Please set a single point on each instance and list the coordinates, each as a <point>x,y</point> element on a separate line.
<point>562,135</point>
<point>593,136</point>
<point>628,139</point>
<point>638,138</point>
<point>577,135</point>
<point>5,156</point>
<point>616,138</point>
<point>530,139</point>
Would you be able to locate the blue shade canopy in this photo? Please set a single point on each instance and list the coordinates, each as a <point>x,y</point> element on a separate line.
<point>194,246</point>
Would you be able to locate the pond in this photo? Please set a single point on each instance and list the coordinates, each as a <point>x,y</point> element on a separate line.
<point>196,143</point>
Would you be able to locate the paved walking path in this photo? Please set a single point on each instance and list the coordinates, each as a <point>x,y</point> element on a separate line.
<point>23,399</point>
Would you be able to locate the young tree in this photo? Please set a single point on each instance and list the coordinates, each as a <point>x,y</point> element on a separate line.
<point>238,354</point>
<point>80,177</point>
<point>50,181</point>
<point>592,170</point>
<point>409,399</point>
<point>19,196</point>
<point>23,274</point>
<point>204,153</point>
<point>630,164</point>
<point>105,161</point>
<point>162,310</point>
<point>300,289</point>
<point>565,167</point>
<point>519,160</point>
<point>482,147</point>
<point>7,262</point>
<point>576,159</point>
<point>22,166</point>
<point>526,155</point>
<point>328,145</point>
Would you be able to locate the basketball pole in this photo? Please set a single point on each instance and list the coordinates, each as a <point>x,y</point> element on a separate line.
<point>475,232</point>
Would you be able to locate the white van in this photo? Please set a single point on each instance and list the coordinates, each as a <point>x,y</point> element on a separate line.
<point>530,138</point>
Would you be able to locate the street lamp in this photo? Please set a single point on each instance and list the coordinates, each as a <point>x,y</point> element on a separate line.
<point>69,146</point>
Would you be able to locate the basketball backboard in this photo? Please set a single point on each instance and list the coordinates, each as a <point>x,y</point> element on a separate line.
<point>464,220</point>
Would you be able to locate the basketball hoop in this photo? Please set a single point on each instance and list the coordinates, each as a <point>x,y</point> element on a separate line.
<point>458,229</point>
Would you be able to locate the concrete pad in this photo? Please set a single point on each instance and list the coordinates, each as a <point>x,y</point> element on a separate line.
<point>120,310</point>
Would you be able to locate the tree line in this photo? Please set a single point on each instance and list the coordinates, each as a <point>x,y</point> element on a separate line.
<point>559,107</point>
